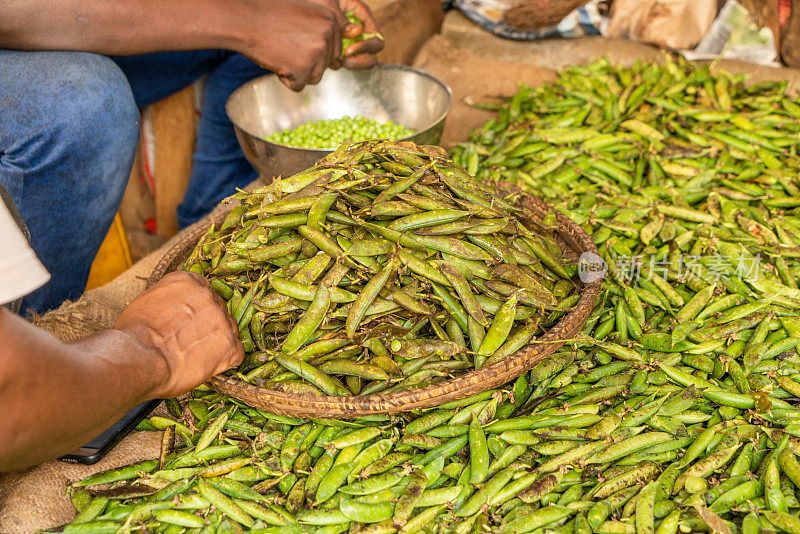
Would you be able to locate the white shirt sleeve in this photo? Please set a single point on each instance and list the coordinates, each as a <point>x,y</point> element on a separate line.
<point>21,272</point>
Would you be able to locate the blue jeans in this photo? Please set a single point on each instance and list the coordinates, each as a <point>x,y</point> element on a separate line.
<point>69,126</point>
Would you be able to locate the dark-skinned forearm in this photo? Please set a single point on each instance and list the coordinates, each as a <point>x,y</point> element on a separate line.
<point>56,397</point>
<point>124,26</point>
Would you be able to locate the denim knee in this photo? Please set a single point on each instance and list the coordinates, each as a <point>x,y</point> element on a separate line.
<point>68,132</point>
<point>109,124</point>
<point>65,110</point>
<point>99,93</point>
<point>97,114</point>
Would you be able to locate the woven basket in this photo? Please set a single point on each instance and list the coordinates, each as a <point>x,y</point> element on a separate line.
<point>573,241</point>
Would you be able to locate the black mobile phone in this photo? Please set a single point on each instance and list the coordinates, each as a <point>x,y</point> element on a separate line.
<point>93,451</point>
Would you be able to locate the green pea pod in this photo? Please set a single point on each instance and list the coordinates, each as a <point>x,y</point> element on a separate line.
<point>428,218</point>
<point>506,458</point>
<point>783,520</point>
<point>80,499</point>
<point>366,513</point>
<point>487,491</point>
<point>537,519</point>
<point>372,485</point>
<point>739,494</point>
<point>751,524</point>
<point>429,421</point>
<point>351,368</point>
<point>479,452</point>
<point>299,291</point>
<point>541,487</point>
<point>418,480</point>
<point>211,432</point>
<point>332,481</point>
<point>369,456</point>
<point>707,465</point>
<point>628,446</point>
<point>92,527</point>
<point>127,472</point>
<point>318,472</point>
<point>510,491</point>
<point>322,517</point>
<point>501,326</point>
<point>644,471</point>
<point>468,300</point>
<point>368,295</point>
<point>326,244</point>
<point>234,488</point>
<point>387,462</point>
<point>773,494</point>
<point>645,504</point>
<point>326,383</point>
<point>515,341</point>
<point>418,522</point>
<point>575,454</point>
<point>319,209</point>
<point>698,446</point>
<point>225,504</point>
<point>308,323</point>
<point>356,437</point>
<point>179,517</point>
<point>267,515</point>
<point>92,510</point>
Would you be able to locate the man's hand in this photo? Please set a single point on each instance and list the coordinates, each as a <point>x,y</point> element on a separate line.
<point>58,396</point>
<point>189,326</point>
<point>306,38</point>
<point>296,39</point>
<point>363,54</point>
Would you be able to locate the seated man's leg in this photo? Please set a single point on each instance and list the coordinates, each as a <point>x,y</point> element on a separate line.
<point>68,131</point>
<point>219,163</point>
<point>156,76</point>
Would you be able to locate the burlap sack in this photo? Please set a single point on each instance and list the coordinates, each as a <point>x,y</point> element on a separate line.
<point>673,24</point>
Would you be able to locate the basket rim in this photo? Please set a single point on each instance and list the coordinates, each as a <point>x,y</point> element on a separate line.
<point>471,383</point>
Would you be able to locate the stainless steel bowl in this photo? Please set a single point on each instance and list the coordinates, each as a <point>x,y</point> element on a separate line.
<point>398,93</point>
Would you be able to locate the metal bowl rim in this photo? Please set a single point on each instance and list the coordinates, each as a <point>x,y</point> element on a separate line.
<point>324,151</point>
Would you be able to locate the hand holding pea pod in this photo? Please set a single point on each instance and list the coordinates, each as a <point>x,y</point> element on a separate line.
<point>191,347</point>
<point>362,39</point>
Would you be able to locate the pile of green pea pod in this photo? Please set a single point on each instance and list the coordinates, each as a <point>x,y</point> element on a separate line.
<point>465,467</point>
<point>563,450</point>
<point>688,182</point>
<point>673,412</point>
<point>382,269</point>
